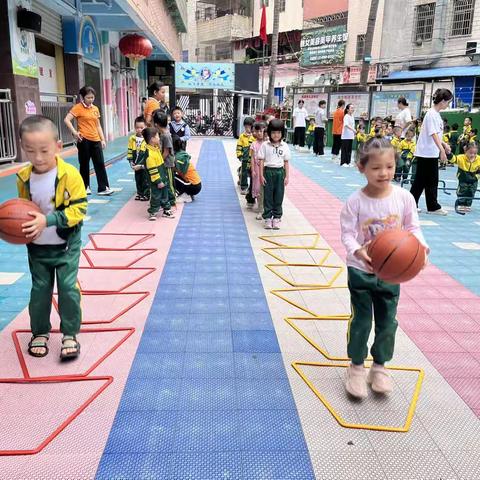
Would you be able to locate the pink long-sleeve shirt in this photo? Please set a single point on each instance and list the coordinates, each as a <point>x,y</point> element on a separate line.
<point>363,217</point>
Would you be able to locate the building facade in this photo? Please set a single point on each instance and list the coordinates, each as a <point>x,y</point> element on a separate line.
<point>435,43</point>
<point>76,45</point>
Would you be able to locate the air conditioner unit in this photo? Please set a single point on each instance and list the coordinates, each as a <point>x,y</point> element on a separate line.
<point>471,48</point>
<point>29,21</point>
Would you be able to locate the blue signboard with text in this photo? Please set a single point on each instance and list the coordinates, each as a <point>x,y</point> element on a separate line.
<point>205,75</point>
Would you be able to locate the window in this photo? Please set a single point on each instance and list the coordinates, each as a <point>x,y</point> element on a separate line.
<point>424,21</point>
<point>282,5</point>
<point>360,53</point>
<point>462,17</point>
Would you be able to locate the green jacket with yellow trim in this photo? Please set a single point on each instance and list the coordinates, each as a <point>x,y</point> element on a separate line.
<point>182,161</point>
<point>468,171</point>
<point>70,197</point>
<point>243,147</point>
<point>132,149</point>
<point>151,157</point>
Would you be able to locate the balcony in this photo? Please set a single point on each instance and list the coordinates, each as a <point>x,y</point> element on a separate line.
<point>178,11</point>
<point>224,28</point>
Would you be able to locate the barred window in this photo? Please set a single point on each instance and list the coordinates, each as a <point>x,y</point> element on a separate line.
<point>424,21</point>
<point>282,5</point>
<point>462,17</point>
<point>360,53</point>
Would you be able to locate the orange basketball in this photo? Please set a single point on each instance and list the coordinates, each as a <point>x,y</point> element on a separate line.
<point>397,256</point>
<point>14,213</point>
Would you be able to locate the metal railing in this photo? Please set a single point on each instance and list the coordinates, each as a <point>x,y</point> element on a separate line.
<point>8,145</point>
<point>56,106</point>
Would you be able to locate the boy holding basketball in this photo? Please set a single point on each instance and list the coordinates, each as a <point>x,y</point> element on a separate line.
<point>58,189</point>
<point>376,207</point>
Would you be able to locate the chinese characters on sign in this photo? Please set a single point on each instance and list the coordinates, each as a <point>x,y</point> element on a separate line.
<point>311,100</point>
<point>324,46</point>
<point>361,102</point>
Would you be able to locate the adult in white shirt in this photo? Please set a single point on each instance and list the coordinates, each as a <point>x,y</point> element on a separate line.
<point>300,115</point>
<point>320,125</point>
<point>429,148</point>
<point>404,118</point>
<point>348,134</point>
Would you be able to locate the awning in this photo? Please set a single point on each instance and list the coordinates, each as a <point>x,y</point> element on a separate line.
<point>446,72</point>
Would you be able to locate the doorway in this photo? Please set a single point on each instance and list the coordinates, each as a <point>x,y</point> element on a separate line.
<point>93,79</point>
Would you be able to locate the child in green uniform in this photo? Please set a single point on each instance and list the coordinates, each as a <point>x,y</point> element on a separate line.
<point>395,141</point>
<point>151,157</point>
<point>407,150</point>
<point>376,207</point>
<point>274,156</point>
<point>134,143</point>
<point>58,189</point>
<point>160,122</point>
<point>244,142</point>
<point>453,139</point>
<point>467,174</point>
<point>310,132</point>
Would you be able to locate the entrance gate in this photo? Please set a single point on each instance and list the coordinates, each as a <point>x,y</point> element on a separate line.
<point>208,114</point>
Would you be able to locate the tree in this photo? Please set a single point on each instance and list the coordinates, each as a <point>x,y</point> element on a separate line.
<point>274,57</point>
<point>368,42</point>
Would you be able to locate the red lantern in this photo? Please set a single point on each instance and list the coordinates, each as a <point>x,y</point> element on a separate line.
<point>135,47</point>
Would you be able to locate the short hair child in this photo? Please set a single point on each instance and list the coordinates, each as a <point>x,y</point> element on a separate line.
<point>160,121</point>
<point>55,234</point>
<point>257,186</point>
<point>134,145</point>
<point>274,156</point>
<point>376,207</point>
<point>244,142</point>
<point>151,157</point>
<point>179,127</point>
<point>188,183</point>
<point>468,170</point>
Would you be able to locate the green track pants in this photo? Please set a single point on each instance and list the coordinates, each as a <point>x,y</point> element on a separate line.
<point>159,198</point>
<point>370,295</point>
<point>47,262</point>
<point>273,192</point>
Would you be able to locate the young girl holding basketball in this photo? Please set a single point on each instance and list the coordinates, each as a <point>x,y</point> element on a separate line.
<point>376,207</point>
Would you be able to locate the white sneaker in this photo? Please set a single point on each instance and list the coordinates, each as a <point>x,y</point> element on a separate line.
<point>440,211</point>
<point>107,191</point>
<point>345,165</point>
<point>184,198</point>
<point>267,224</point>
<point>152,217</point>
<point>380,380</point>
<point>276,224</point>
<point>89,192</point>
<point>356,384</point>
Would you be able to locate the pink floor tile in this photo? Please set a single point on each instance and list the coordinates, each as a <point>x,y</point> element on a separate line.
<point>456,322</point>
<point>419,323</point>
<point>469,341</point>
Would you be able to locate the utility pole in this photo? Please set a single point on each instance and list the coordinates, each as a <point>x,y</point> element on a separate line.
<point>274,57</point>
<point>367,55</point>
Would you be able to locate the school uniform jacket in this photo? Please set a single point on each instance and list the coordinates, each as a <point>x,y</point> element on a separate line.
<point>243,147</point>
<point>70,197</point>
<point>151,158</point>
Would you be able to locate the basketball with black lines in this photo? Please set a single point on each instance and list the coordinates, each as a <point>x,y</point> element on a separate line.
<point>397,256</point>
<point>13,214</point>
